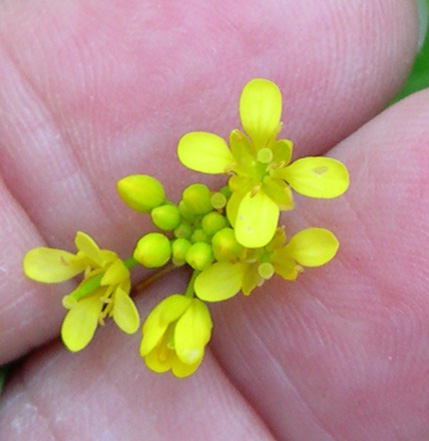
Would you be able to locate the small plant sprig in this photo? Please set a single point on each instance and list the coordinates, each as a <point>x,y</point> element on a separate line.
<point>229,237</point>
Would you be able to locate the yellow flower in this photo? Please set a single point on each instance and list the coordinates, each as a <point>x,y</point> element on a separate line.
<point>104,291</point>
<point>311,247</point>
<point>262,177</point>
<point>175,334</point>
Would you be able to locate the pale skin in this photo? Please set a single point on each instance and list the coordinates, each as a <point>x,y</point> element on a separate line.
<point>92,91</point>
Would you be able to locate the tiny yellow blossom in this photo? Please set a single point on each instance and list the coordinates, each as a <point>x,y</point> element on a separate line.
<point>262,176</point>
<point>311,247</point>
<point>175,334</point>
<point>104,291</point>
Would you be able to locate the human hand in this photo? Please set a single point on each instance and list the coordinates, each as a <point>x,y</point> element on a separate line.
<point>93,92</point>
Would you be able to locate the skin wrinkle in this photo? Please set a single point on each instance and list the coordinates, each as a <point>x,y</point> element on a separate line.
<point>277,363</point>
<point>320,429</point>
<point>20,330</point>
<point>101,203</point>
<point>12,329</point>
<point>85,190</point>
<point>387,330</point>
<point>48,433</point>
<point>252,405</point>
<point>110,387</point>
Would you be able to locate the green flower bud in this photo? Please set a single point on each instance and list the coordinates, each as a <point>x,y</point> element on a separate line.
<point>179,248</point>
<point>196,199</point>
<point>199,255</point>
<point>184,230</point>
<point>141,192</point>
<point>186,212</point>
<point>199,235</point>
<point>226,191</point>
<point>153,250</point>
<point>213,222</point>
<point>226,247</point>
<point>166,217</point>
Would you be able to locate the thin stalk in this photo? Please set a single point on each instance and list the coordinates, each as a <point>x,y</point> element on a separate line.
<point>155,276</point>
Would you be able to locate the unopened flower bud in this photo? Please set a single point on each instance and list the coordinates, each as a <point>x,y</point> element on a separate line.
<point>141,192</point>
<point>199,235</point>
<point>186,212</point>
<point>199,255</point>
<point>226,247</point>
<point>179,248</point>
<point>153,250</point>
<point>166,217</point>
<point>213,222</point>
<point>184,230</point>
<point>196,199</point>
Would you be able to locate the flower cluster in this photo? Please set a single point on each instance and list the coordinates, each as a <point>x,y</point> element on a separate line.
<point>230,237</point>
<point>103,292</point>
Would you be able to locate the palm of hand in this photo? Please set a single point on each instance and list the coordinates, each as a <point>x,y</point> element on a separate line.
<point>91,95</point>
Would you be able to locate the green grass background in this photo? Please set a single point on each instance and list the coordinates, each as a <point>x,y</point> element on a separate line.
<point>419,77</point>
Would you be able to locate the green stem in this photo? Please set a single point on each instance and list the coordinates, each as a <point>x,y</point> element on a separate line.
<point>130,262</point>
<point>90,285</point>
<point>190,289</point>
<point>87,287</point>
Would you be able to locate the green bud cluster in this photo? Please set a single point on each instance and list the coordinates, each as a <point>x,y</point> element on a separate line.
<point>191,231</point>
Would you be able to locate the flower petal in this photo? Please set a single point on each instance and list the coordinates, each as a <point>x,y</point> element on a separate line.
<point>279,192</point>
<point>125,313</point>
<point>192,333</point>
<point>116,273</point>
<point>232,206</point>
<point>182,370</point>
<point>81,322</point>
<point>156,323</point>
<point>284,265</point>
<point>260,110</point>
<point>251,279</point>
<point>242,150</point>
<point>160,358</point>
<point>317,177</point>
<point>86,245</point>
<point>50,265</point>
<point>282,151</point>
<point>256,220</point>
<point>220,281</point>
<point>313,247</point>
<point>204,152</point>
